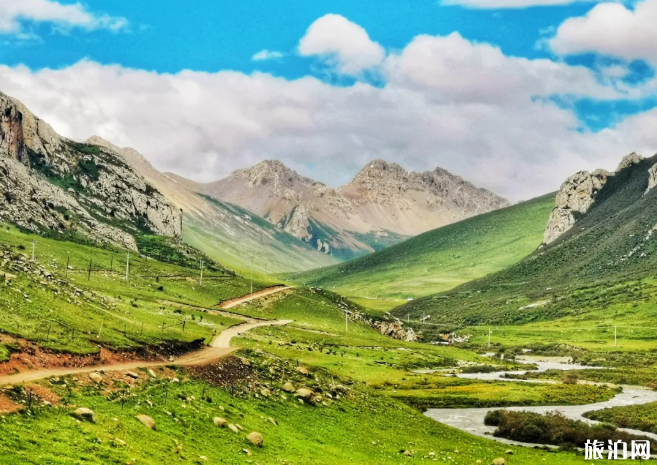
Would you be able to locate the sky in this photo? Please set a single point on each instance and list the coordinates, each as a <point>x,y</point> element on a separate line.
<point>513,95</point>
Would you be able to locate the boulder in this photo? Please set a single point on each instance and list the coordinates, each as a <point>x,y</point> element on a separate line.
<point>255,438</point>
<point>220,422</point>
<point>146,421</point>
<point>85,414</point>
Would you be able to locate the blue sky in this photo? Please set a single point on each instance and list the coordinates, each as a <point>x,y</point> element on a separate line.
<point>419,82</point>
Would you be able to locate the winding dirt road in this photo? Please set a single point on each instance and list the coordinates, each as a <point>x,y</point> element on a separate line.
<point>219,348</point>
<point>256,295</point>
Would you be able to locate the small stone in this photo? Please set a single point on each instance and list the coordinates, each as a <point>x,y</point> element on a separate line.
<point>303,370</point>
<point>264,392</point>
<point>95,377</point>
<point>202,458</point>
<point>304,393</point>
<point>288,387</point>
<point>498,461</point>
<point>85,414</point>
<point>509,451</point>
<point>408,453</point>
<point>239,427</point>
<point>233,428</point>
<point>255,438</point>
<point>272,421</point>
<point>146,421</point>
<point>220,422</point>
<point>132,374</point>
<point>247,452</point>
<point>152,373</point>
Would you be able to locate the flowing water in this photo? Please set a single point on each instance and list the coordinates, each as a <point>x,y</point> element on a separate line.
<point>471,420</point>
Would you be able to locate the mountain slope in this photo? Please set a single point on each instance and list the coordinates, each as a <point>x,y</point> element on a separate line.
<point>223,231</point>
<point>55,186</point>
<point>608,242</point>
<point>440,259</point>
<point>383,205</point>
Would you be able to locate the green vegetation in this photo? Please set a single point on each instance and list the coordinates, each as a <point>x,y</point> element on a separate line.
<point>602,267</point>
<point>639,417</point>
<point>226,236</point>
<point>440,259</point>
<point>89,303</point>
<point>553,428</point>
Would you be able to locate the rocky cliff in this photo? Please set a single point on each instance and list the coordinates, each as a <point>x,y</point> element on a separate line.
<point>577,194</point>
<point>51,184</point>
<point>384,204</point>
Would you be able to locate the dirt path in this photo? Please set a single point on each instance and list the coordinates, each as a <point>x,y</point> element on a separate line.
<point>219,347</point>
<point>256,295</point>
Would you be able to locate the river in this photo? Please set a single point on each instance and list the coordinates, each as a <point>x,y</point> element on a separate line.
<point>471,420</point>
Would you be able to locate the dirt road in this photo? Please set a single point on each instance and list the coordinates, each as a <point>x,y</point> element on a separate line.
<point>256,295</point>
<point>219,347</point>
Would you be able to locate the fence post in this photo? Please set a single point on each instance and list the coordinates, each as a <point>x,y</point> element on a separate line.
<point>89,273</point>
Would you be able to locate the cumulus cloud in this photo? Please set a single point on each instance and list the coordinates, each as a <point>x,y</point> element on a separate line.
<point>264,55</point>
<point>495,4</point>
<point>446,102</point>
<point>343,43</point>
<point>611,29</point>
<point>14,12</point>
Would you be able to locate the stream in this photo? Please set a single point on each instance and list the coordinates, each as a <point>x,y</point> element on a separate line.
<point>471,420</point>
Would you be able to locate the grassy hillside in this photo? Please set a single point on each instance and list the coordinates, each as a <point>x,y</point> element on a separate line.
<point>242,240</point>
<point>600,271</point>
<point>440,259</point>
<point>74,298</point>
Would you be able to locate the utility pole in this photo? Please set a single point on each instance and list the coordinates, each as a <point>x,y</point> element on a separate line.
<point>127,268</point>
<point>112,264</point>
<point>33,246</point>
<point>68,260</point>
<point>489,331</point>
<point>251,274</point>
<point>201,266</point>
<point>89,272</point>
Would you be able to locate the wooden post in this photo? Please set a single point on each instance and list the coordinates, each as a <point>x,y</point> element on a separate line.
<point>112,264</point>
<point>89,273</point>
<point>68,260</point>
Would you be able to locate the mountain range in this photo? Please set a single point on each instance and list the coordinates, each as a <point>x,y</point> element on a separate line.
<point>383,205</point>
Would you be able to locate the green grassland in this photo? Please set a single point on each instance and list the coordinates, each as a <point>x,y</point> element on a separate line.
<point>440,259</point>
<point>244,241</point>
<point>602,267</point>
<point>639,417</point>
<point>357,427</point>
<point>78,309</point>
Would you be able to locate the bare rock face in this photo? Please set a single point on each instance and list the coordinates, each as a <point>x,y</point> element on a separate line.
<point>395,330</point>
<point>652,178</point>
<point>629,160</point>
<point>48,182</point>
<point>576,195</point>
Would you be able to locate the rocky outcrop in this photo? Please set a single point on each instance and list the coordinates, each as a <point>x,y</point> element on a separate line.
<point>48,182</point>
<point>652,178</point>
<point>395,329</point>
<point>629,160</point>
<point>575,196</point>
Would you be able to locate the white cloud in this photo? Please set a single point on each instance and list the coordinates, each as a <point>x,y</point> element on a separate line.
<point>447,102</point>
<point>14,12</point>
<point>495,4</point>
<point>343,43</point>
<point>264,55</point>
<point>611,29</point>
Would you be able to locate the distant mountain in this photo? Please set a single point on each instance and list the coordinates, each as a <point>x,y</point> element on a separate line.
<point>600,241</point>
<point>383,205</point>
<point>235,237</point>
<point>55,186</point>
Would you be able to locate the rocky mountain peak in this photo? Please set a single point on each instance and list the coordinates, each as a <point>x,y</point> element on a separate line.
<point>629,160</point>
<point>272,173</point>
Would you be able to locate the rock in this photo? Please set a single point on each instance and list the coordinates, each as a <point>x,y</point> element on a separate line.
<point>395,330</point>
<point>202,458</point>
<point>407,453</point>
<point>303,370</point>
<point>220,422</point>
<point>239,427</point>
<point>131,374</point>
<point>272,421</point>
<point>264,392</point>
<point>304,393</point>
<point>255,438</point>
<point>289,387</point>
<point>146,421</point>
<point>629,160</point>
<point>85,414</point>
<point>233,428</point>
<point>499,461</point>
<point>509,452</point>
<point>95,377</point>
<point>575,196</point>
<point>247,452</point>
<point>151,373</point>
